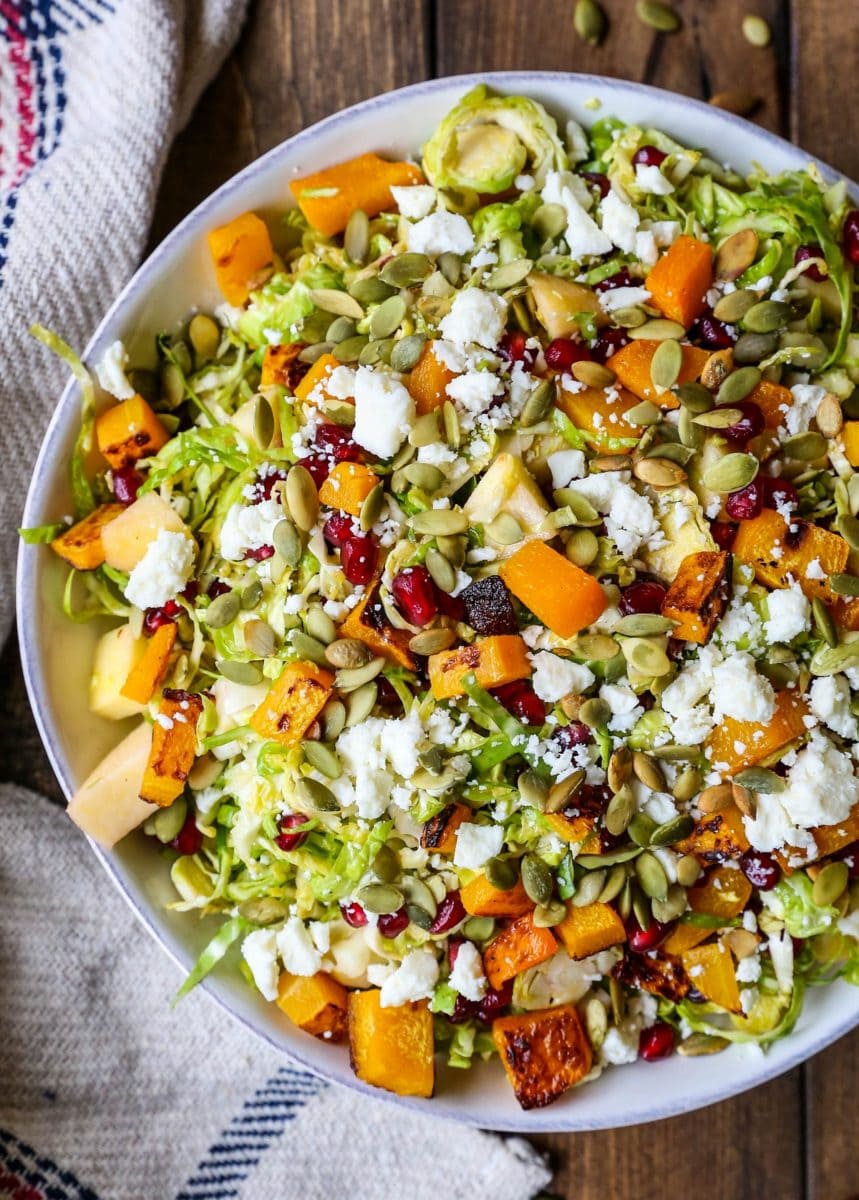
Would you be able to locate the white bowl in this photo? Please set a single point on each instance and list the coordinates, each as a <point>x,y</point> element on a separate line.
<point>56,654</point>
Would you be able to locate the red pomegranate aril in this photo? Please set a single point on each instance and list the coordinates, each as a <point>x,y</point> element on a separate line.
<point>803,253</point>
<point>723,534</point>
<point>358,558</point>
<point>454,946</point>
<point>449,914</point>
<point>640,940</point>
<point>286,840</point>
<point>337,442</point>
<point>126,481</point>
<point>562,352</point>
<point>154,618</point>
<point>656,1042</point>
<point>778,493</point>
<point>264,485</point>
<point>189,839</point>
<point>643,597</point>
<point>338,529</point>
<point>761,869</point>
<point>749,426</point>
<point>217,588</point>
<point>415,595</point>
<point>649,156</point>
<point>514,348</point>
<point>494,1002</point>
<point>450,606</point>
<point>260,554</point>
<point>607,343</point>
<point>712,333</point>
<point>598,180</point>
<point>747,503</point>
<point>574,734</point>
<point>190,591</point>
<point>850,237</point>
<point>520,699</point>
<point>621,278</point>
<point>464,1010</point>
<point>354,915</point>
<point>392,924</point>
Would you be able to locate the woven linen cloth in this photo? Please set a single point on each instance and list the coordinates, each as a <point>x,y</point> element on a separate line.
<point>106,1092</point>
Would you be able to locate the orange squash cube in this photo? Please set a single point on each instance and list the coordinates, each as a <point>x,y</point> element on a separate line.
<point>678,283</point>
<point>481,899</point>
<point>391,1048</point>
<point>146,674</point>
<point>544,1053</point>
<point>315,378</point>
<point>439,833</point>
<point>174,747</point>
<point>315,1003</point>
<point>698,595</point>
<point>81,545</point>
<point>329,197</point>
<point>428,382</point>
<point>601,421</point>
<point>128,431</point>
<point>734,745</point>
<point>717,836</point>
<point>795,548</point>
<point>562,595</point>
<point>293,703</point>
<point>631,365</point>
<point>242,254</point>
<point>347,487</point>
<point>367,623</point>
<point>589,929</point>
<point>850,438</point>
<point>279,365</point>
<point>517,948</point>
<point>711,971</point>
<point>493,661</point>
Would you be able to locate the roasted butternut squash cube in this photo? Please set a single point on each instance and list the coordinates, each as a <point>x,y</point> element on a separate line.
<point>312,386</point>
<point>724,893</point>
<point>439,833</point>
<point>781,554</point>
<point>684,936</point>
<point>428,382</point>
<point>631,365</point>
<point>82,545</point>
<point>656,972</point>
<point>717,837</point>
<point>544,1053</point>
<point>589,929</point>
<point>850,438</point>
<point>280,366</point>
<point>146,674</point>
<point>517,948</point>
<point>734,745</point>
<point>174,747</point>
<point>711,971</point>
<point>601,417</point>
<point>562,595</point>
<point>330,196</point>
<point>293,703</point>
<point>391,1048</point>
<point>493,661</point>
<point>678,283</point>
<point>481,899</point>
<point>243,256</point>
<point>577,828</point>
<point>128,431</point>
<point>348,486</point>
<point>368,624</point>
<point>698,595</point>
<point>315,1003</point>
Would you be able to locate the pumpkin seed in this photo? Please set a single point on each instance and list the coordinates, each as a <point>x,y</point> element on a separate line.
<point>263,422</point>
<point>356,236</point>
<point>687,784</point>
<point>445,521</point>
<point>407,351</point>
<point>735,101</point>
<point>561,793</point>
<point>323,758</point>
<point>584,511</point>
<point>754,347</point>
<point>672,906</point>
<point>695,398</point>
<point>756,31</point>
<point>738,385</point>
<point>316,795</point>
<point>502,873</point>
<point>450,420</point>
<point>594,713</point>
<point>167,822</point>
<point>204,772</point>
<point>424,475</point>
<point>672,831</point>
<point>302,499</point>
<point>743,799</point>
<point>582,547</point>
<point>441,570</point>
<point>350,349</point>
<point>380,898</point>
<point>593,374</point>
<point>665,364</point>
<point>590,24</point>
<point>478,929</point>
<point>830,660</point>
<point>372,508</point>
<point>830,883</point>
<point>360,703</point>
<point>731,473</point>
<point>287,542</point>
<point>658,472</point>
<point>644,413</point>
<point>386,865</point>
<point>507,275</point>
<point>672,451</point>
<point>596,1022</point>
<point>657,330</point>
<point>733,257</point>
<point>844,585</point>
<point>339,330</point>
<point>620,811</point>
<point>533,789</point>
<point>388,317</point>
<point>619,768</point>
<point>629,318</point>
<point>260,638</point>
<point>341,304</point>
<point>505,530</point>
<point>651,875</point>
<point>547,916</point>
<point>308,647</point>
<point>370,291</point>
<point>549,221</point>
<point>371,354</point>
<point>347,653</point>
<point>614,884</point>
<point>646,657</point>
<point>450,265</point>
<point>348,679</point>
<point>320,626</point>
<point>823,621</point>
<point>759,779</point>
<point>718,418</point>
<point>589,888</point>
<point>204,335</point>
<point>767,316</point>
<point>406,270</point>
<point>432,641</point>
<point>593,647</point>
<point>733,307</point>
<point>643,625</point>
<point>333,720</point>
<point>805,447</point>
<point>648,772</point>
<point>716,798</point>
<point>538,403</point>
<point>240,672</point>
<point>698,1044</point>
<point>672,752</point>
<point>688,870</point>
<point>453,548</point>
<point>640,829</point>
<point>419,916</point>
<point>658,16</point>
<point>222,610</point>
<point>829,415</point>
<point>590,862</point>
<point>615,987</point>
<point>537,879</point>
<point>425,430</point>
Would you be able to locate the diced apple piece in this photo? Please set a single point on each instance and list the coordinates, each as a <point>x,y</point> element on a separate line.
<point>508,487</point>
<point>559,301</point>
<point>244,419</point>
<point>127,537</point>
<point>116,654</point>
<point>686,531</point>
<point>107,806</point>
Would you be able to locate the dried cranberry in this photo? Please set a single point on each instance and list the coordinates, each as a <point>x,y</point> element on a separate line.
<point>749,425</point>
<point>747,503</point>
<point>643,597</point>
<point>190,591</point>
<point>520,699</point>
<point>514,348</point>
<point>488,607</point>
<point>778,493</point>
<point>810,251</point>
<point>415,595</point>
<point>289,841</point>
<point>264,485</point>
<point>850,237</point>
<point>390,924</point>
<point>358,558</point>
<point>656,1042</point>
<point>562,352</point>
<point>723,534</point>
<point>598,180</point>
<point>337,442</point>
<point>338,529</point>
<point>608,342</point>
<point>464,1010</point>
<point>712,333</point>
<point>761,869</point>
<point>850,856</point>
<point>494,1002</point>
<point>189,839</point>
<point>260,554</point>
<point>354,915</point>
<point>641,940</point>
<point>621,278</point>
<point>649,156</point>
<point>126,481</point>
<point>574,734</point>
<point>318,467</point>
<point>449,914</point>
<point>217,588</point>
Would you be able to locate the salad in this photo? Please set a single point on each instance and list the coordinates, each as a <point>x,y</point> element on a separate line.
<point>484,584</point>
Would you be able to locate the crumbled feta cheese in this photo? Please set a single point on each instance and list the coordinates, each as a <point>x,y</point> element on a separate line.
<point>296,949</point>
<point>814,570</point>
<point>414,202</point>
<point>475,317</point>
<point>474,392</point>
<point>414,979</point>
<point>384,411</point>
<point>619,221</point>
<point>111,372</point>
<point>259,950</point>
<point>617,1050</point>
<point>584,236</point>
<point>624,705</point>
<point>665,233</point>
<point>163,571</point>
<point>789,613</point>
<point>623,297</point>
<point>830,703</point>
<point>556,677</point>
<point>440,233</point>
<point>780,946</point>
<point>645,248</point>
<point>749,969</point>
<point>578,147</point>
<point>740,692</point>
<point>651,181</point>
<point>467,976</point>
<point>475,844</point>
<point>248,527</point>
<point>630,517</point>
<point>806,401</point>
<point>340,383</point>
<point>374,753</point>
<point>565,465</point>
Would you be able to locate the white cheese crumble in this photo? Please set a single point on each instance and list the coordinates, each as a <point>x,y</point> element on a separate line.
<point>740,692</point>
<point>565,465</point>
<point>374,754</point>
<point>440,233</point>
<point>651,181</point>
<point>384,411</point>
<point>259,950</point>
<point>830,703</point>
<point>414,979</point>
<point>789,614</point>
<point>556,677</point>
<point>619,221</point>
<point>296,949</point>
<point>163,571</point>
<point>475,317</point>
<point>474,393</point>
<point>630,519</point>
<point>467,976</point>
<point>248,527</point>
<point>111,372</point>
<point>623,297</point>
<point>414,202</point>
<point>584,236</point>
<point>476,844</point>
<point>806,401</point>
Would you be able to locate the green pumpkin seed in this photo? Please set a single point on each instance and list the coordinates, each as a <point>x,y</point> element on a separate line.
<point>371,291</point>
<point>648,772</point>
<point>360,704</point>
<point>830,884</point>
<point>167,822</point>
<point>350,349</point>
<point>453,548</point>
<point>666,364</point>
<point>688,870</point>
<point>738,385</point>
<point>619,768</point>
<point>403,458</point>
<point>582,547</point>
<point>823,621</point>
<point>651,875</point>
<point>672,831</point>
<point>754,347</point>
<point>222,610</point>
<point>320,626</point>
<point>444,521</point>
<point>640,829</point>
<point>505,530</point>
<point>537,879</point>
<point>594,713</point>
<point>643,625</point>
<point>441,570</point>
<point>260,638</point>
<point>844,585</point>
<point>547,916</point>
<point>450,419</point>
<point>658,472</point>
<point>695,398</point>
<point>426,430</point>
<point>614,884</point>
<point>690,434</point>
<point>315,795</point>
<point>593,647</point>
<point>356,236</point>
<point>533,789</point>
<point>593,374</point>
<point>388,317</point>
<point>347,653</point>
<point>341,304</point>
<point>507,275</point>
<point>589,888</point>
<point>589,23</point>
<point>644,413</point>
<point>311,354</point>
<point>478,929</point>
<point>406,270</point>
<point>419,916</point>
<point>450,265</point>
<point>372,508</point>
<point>731,473</point>
<point>431,641</point>
<point>657,330</point>
<point>672,451</point>
<point>561,793</point>
<point>759,779</point>
<point>584,511</point>
<point>830,660</point>
<point>658,16</point>
<point>673,906</point>
<point>629,318</point>
<point>561,518</point>
<point>407,351</point>
<point>380,898</point>
<point>805,447</point>
<point>339,330</point>
<point>502,873</point>
<point>263,422</point>
<point>549,221</point>
<point>348,679</point>
<point>596,1022</point>
<point>323,758</point>
<point>424,475</point>
<point>302,499</point>
<point>718,418</point>
<point>287,542</point>
<point>307,647</point>
<point>386,865</point>
<point>767,316</point>
<point>620,811</point>
<point>671,752</point>
<point>538,403</point>
<point>648,658</point>
<point>733,307</point>
<point>698,1044</point>
<point>205,336</point>
<point>333,720</point>
<point>239,672</point>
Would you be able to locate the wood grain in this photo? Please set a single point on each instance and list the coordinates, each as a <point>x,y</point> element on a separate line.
<point>824,42</point>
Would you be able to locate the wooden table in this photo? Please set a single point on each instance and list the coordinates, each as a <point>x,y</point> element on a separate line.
<point>299,61</point>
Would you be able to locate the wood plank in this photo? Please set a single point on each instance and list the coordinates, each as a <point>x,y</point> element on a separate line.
<point>830,1088</point>
<point>825,45</point>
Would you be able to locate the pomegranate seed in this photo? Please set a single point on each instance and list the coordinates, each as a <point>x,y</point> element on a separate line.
<point>494,1002</point>
<point>260,554</point>
<point>644,597</point>
<point>450,606</point>
<point>354,915</point>
<point>154,618</point>
<point>358,558</point>
<point>562,352</point>
<point>513,348</point>
<point>608,341</point>
<point>337,442</point>
<point>190,591</point>
<point>464,1010</point>
<point>712,333</point>
<point>390,924</point>
<point>778,493</point>
<point>264,486</point>
<point>598,180</point>
<point>641,940</point>
<point>621,278</point>
<point>338,529</point>
<point>126,481</point>
<point>850,856</point>
<point>415,595</point>
<point>189,839</point>
<point>749,425</point>
<point>656,1042</point>
<point>449,914</point>
<point>850,237</point>
<point>761,869</point>
<point>520,699</point>
<point>746,503</point>
<point>574,734</point>
<point>454,946</point>
<point>318,468</point>
<point>723,534</point>
<point>806,252</point>
<point>289,841</point>
<point>649,156</point>
<point>217,588</point>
